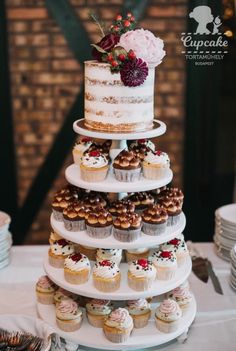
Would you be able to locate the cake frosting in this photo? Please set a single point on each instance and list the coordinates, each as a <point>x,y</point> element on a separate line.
<point>137,307</point>
<point>176,245</point>
<point>181,295</point>
<point>94,159</point>
<point>67,310</point>
<point>142,268</point>
<point>164,258</point>
<point>45,284</point>
<point>62,247</point>
<point>119,318</point>
<point>106,269</point>
<point>77,262</point>
<point>109,254</point>
<point>168,311</point>
<point>157,158</point>
<point>99,307</point>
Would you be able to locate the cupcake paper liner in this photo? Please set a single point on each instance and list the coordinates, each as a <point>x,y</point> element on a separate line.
<point>74,226</point>
<point>99,232</point>
<point>56,262</point>
<point>165,273</point>
<point>78,277</point>
<point>138,284</point>
<point>140,321</point>
<point>182,258</point>
<point>150,172</point>
<point>124,175</point>
<point>107,285</point>
<point>45,298</point>
<point>173,220</point>
<point>77,157</point>
<point>154,228</point>
<point>96,321</point>
<point>93,176</point>
<point>127,235</point>
<point>57,215</point>
<point>69,326</point>
<point>166,327</point>
<point>117,337</point>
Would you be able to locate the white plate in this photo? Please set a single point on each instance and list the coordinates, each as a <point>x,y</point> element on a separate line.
<point>227,213</point>
<point>140,338</point>
<point>144,241</point>
<point>124,292</point>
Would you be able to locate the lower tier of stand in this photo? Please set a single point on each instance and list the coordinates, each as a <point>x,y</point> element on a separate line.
<point>124,292</point>
<point>145,337</point>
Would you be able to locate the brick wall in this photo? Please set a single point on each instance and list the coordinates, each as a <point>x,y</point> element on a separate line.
<point>46,78</point>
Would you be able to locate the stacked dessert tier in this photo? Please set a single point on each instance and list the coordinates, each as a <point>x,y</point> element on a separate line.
<point>117,266</point>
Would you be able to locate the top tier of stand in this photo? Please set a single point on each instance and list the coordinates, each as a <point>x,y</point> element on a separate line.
<point>158,129</point>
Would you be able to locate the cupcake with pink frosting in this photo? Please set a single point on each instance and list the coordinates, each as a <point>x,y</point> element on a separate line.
<point>68,315</point>
<point>167,316</point>
<point>45,290</point>
<point>181,295</point>
<point>98,311</point>
<point>118,326</point>
<point>140,312</point>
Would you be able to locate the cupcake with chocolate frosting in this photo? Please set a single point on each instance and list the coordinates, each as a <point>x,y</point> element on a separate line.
<point>156,165</point>
<point>167,316</point>
<point>172,193</point>
<point>118,326</point>
<point>127,166</point>
<point>127,227</point>
<point>94,199</point>
<point>74,216</point>
<point>121,207</point>
<point>141,200</point>
<point>141,147</point>
<point>94,166</point>
<point>173,209</point>
<point>99,223</point>
<point>154,220</point>
<point>59,203</point>
<point>141,274</point>
<point>140,311</point>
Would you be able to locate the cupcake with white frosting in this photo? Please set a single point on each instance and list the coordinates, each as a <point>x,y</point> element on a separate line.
<point>79,148</point>
<point>141,274</point>
<point>181,295</point>
<point>167,316</point>
<point>76,268</point>
<point>114,255</point>
<point>140,311</point>
<point>94,166</point>
<point>106,276</point>
<point>118,326</point>
<point>180,249</point>
<point>59,251</point>
<point>54,236</point>
<point>68,315</point>
<point>156,165</point>
<point>45,290</point>
<point>98,311</point>
<point>136,254</point>
<point>165,263</point>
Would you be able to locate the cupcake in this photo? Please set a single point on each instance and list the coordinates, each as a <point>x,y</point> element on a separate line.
<point>106,276</point>
<point>79,148</point>
<point>167,316</point>
<point>180,249</point>
<point>121,207</point>
<point>141,147</point>
<point>181,295</point>
<point>127,227</point>
<point>59,203</point>
<point>99,223</point>
<point>54,236</point>
<point>98,311</point>
<point>165,263</point>
<point>114,255</point>
<point>118,326</point>
<point>156,165</point>
<point>173,209</point>
<point>104,148</point>
<point>141,200</point>
<point>45,290</point>
<point>76,269</point>
<point>74,216</point>
<point>59,251</point>
<point>94,199</point>
<point>136,254</point>
<point>172,193</point>
<point>140,311</point>
<point>62,294</point>
<point>88,251</point>
<point>154,220</point>
<point>68,315</point>
<point>141,274</point>
<point>94,166</point>
<point>127,167</point>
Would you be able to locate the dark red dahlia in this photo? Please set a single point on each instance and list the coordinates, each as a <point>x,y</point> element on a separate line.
<point>107,43</point>
<point>134,72</point>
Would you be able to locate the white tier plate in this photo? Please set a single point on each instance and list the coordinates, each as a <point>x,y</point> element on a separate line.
<point>227,214</point>
<point>110,184</point>
<point>84,239</point>
<point>140,338</point>
<point>124,292</point>
<point>158,129</point>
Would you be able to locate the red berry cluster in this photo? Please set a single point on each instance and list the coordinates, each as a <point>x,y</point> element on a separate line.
<point>174,242</point>
<point>95,153</point>
<point>118,57</point>
<point>143,262</point>
<point>122,25</point>
<point>165,254</point>
<point>76,257</point>
<point>158,153</point>
<point>106,263</point>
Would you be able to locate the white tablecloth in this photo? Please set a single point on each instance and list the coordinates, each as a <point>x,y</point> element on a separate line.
<point>213,329</point>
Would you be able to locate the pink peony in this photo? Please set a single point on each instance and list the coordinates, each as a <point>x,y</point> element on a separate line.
<point>145,45</point>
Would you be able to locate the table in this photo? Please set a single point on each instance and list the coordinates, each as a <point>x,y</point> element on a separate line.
<point>215,324</point>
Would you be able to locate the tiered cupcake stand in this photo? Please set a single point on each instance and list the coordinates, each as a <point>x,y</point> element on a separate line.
<point>140,338</point>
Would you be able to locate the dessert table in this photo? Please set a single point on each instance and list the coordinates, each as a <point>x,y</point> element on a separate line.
<point>215,324</point>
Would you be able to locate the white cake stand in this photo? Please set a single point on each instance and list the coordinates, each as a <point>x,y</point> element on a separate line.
<point>140,338</point>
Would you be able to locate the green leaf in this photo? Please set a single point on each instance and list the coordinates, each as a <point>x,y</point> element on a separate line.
<point>99,49</point>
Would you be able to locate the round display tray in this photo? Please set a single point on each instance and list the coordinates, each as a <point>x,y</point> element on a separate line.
<point>140,338</point>
<point>84,239</point>
<point>124,292</point>
<point>157,129</point>
<point>110,184</point>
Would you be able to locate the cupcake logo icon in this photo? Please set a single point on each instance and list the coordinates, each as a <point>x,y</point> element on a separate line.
<point>206,44</point>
